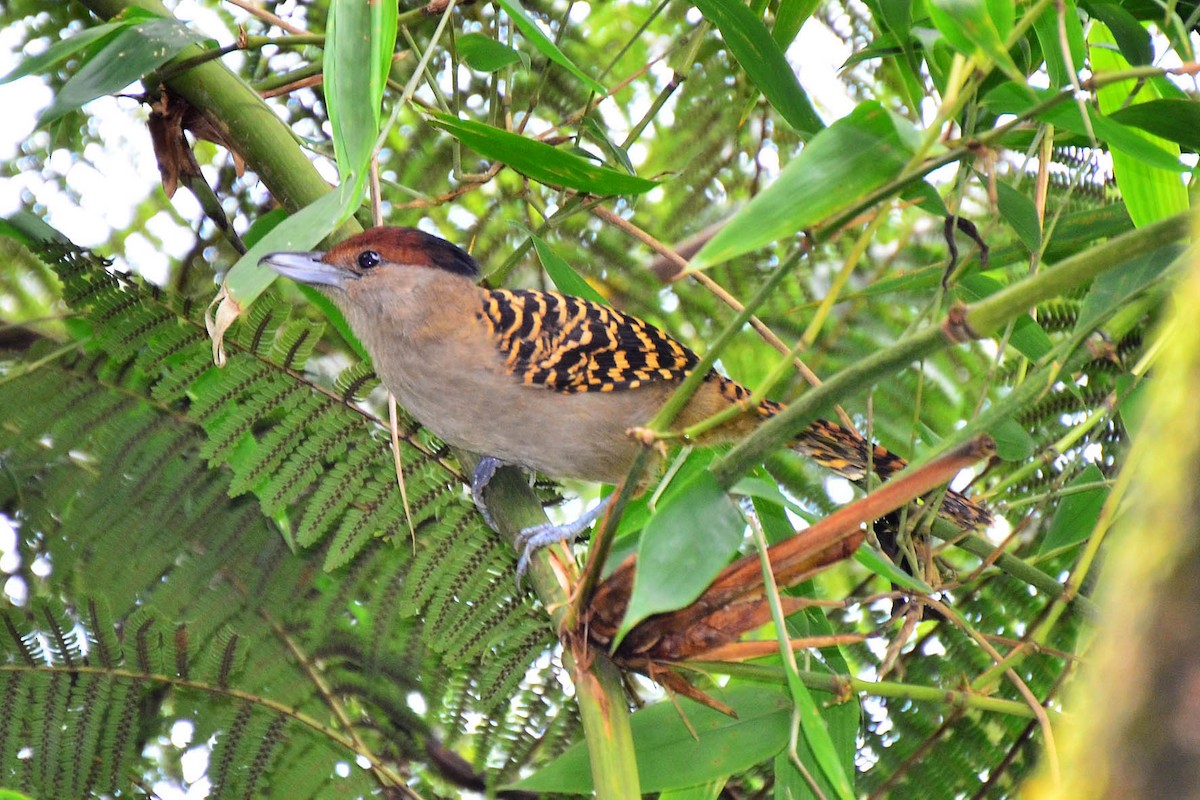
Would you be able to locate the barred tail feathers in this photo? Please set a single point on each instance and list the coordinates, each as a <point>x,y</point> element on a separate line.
<point>845,453</point>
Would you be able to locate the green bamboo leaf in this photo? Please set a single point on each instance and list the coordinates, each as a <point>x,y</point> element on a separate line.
<point>129,55</point>
<point>1151,190</point>
<point>842,719</point>
<point>842,164</point>
<point>687,542</point>
<point>789,18</point>
<point>538,160</point>
<point>709,790</point>
<point>1077,512</point>
<point>1013,442</point>
<point>1010,99</point>
<point>1117,287</point>
<point>1133,406</point>
<point>353,94</point>
<point>977,26</point>
<point>1027,336</point>
<point>565,278</point>
<point>764,62</point>
<point>1174,120</point>
<point>1046,26</point>
<point>59,52</point>
<point>884,568</point>
<point>485,54</point>
<point>896,16</point>
<point>927,198</point>
<point>1131,38</point>
<point>549,49</point>
<point>1020,213</point>
<point>385,24</point>
<point>616,154</point>
<point>828,734</point>
<point>815,734</point>
<point>676,750</point>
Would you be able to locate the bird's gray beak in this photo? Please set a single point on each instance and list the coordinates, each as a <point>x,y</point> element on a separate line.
<point>305,268</point>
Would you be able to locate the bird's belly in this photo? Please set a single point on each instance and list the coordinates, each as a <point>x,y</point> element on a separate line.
<point>581,435</point>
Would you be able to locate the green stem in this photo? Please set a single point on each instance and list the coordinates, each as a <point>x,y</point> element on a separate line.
<point>979,319</point>
<point>262,139</point>
<point>605,714</point>
<point>840,684</point>
<point>598,688</point>
<point>680,397</point>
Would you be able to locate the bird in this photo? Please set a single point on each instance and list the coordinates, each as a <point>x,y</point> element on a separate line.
<point>545,381</point>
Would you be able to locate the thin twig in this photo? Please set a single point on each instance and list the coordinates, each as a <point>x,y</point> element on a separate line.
<point>268,17</point>
<point>718,291</point>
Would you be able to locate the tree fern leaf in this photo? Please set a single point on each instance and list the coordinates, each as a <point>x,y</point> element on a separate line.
<point>143,638</point>
<point>382,514</point>
<point>84,277</point>
<point>216,390</point>
<point>336,492</point>
<point>14,715</point>
<point>226,656</point>
<point>39,418</point>
<point>53,699</point>
<point>84,732</point>
<point>264,755</point>
<point>294,343</point>
<point>73,428</point>
<point>355,382</point>
<point>256,332</point>
<point>307,462</point>
<point>108,304</point>
<point>231,428</point>
<point>462,578</point>
<point>179,649</point>
<point>278,444</point>
<point>25,643</point>
<point>226,763</point>
<point>115,749</point>
<point>140,325</point>
<point>59,631</point>
<point>181,355</point>
<point>473,596</point>
<point>433,550</point>
<point>157,444</point>
<point>103,646</point>
<point>434,491</point>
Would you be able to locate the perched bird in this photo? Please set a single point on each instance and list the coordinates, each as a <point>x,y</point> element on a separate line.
<point>542,380</point>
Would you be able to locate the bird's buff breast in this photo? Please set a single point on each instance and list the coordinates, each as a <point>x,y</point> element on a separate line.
<point>481,408</point>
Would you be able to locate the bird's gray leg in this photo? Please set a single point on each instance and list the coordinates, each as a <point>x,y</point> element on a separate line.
<point>538,536</point>
<point>533,538</point>
<point>484,471</point>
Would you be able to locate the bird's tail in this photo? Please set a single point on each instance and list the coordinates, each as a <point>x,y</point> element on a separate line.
<point>848,454</point>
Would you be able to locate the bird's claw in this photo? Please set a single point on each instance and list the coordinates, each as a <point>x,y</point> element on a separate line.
<point>533,538</point>
<point>485,470</point>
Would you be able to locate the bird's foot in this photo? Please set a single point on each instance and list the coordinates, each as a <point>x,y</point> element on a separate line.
<point>531,539</point>
<point>484,471</point>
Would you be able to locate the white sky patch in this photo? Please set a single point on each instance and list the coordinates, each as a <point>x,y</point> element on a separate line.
<point>839,489</point>
<point>820,53</point>
<point>182,732</point>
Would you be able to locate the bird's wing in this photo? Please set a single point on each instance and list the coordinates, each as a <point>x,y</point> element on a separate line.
<point>569,344</point>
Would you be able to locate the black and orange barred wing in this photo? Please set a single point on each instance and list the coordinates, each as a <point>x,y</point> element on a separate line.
<point>569,344</point>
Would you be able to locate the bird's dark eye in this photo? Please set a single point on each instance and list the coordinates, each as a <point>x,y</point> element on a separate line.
<point>368,259</point>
